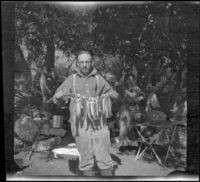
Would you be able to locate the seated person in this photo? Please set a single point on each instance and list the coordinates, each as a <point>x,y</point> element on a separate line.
<point>179,110</point>
<point>132,94</point>
<point>129,112</point>
<point>153,111</point>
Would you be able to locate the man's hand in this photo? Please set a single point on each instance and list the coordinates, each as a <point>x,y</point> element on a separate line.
<point>113,94</point>
<point>55,100</point>
<point>57,97</point>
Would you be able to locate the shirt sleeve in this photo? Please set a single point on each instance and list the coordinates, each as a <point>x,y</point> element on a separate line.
<point>104,86</point>
<point>140,92</point>
<point>66,88</point>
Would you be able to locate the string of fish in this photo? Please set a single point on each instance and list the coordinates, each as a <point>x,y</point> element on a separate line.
<point>95,106</point>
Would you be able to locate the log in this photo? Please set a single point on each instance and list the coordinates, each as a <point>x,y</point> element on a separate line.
<point>48,144</point>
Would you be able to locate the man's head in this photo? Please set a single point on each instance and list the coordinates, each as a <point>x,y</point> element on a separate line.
<point>84,62</point>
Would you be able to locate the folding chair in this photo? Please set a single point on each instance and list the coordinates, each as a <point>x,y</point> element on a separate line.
<point>148,142</point>
<point>160,137</point>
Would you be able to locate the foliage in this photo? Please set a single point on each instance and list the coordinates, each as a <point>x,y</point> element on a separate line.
<point>142,32</point>
<point>119,36</point>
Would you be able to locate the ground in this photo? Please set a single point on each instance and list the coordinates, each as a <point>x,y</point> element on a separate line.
<point>43,164</point>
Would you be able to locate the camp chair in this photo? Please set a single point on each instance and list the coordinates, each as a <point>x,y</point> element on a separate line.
<point>153,139</point>
<point>148,143</point>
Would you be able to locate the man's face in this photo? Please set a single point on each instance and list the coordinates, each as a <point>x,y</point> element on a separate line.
<point>85,63</point>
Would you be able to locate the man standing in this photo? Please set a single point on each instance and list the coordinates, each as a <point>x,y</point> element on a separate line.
<point>92,136</point>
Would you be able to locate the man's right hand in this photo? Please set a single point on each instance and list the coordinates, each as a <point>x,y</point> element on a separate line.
<point>57,96</point>
<point>55,100</point>
<point>113,94</point>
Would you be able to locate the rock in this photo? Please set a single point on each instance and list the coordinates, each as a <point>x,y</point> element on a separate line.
<point>57,132</point>
<point>18,145</point>
<point>45,129</point>
<point>26,128</point>
<point>48,144</point>
<point>21,160</point>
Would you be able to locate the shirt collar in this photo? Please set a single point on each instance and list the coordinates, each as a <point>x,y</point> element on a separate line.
<point>92,73</point>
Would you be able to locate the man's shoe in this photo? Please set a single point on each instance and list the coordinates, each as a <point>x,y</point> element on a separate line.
<point>89,173</point>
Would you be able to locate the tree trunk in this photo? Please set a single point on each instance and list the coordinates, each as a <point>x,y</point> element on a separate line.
<point>48,68</point>
<point>166,22</point>
<point>21,66</point>
<point>49,61</point>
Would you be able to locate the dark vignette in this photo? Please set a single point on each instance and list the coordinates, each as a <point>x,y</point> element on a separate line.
<point>8,40</point>
<point>193,90</point>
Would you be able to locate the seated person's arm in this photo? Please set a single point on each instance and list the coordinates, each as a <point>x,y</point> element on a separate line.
<point>140,94</point>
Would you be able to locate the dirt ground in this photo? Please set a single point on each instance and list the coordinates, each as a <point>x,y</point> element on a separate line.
<point>43,164</point>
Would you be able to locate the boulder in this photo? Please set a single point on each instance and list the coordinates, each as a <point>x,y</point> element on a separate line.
<point>26,128</point>
<point>44,145</point>
<point>57,132</point>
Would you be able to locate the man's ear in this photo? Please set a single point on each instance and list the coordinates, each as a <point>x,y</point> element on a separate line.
<point>92,62</point>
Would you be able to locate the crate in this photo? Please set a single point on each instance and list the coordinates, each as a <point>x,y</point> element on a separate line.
<point>57,121</point>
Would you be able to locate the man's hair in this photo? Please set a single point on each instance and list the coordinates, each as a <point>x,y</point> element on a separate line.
<point>80,53</point>
<point>83,52</point>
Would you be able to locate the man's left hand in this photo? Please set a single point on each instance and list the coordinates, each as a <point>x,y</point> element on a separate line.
<point>113,94</point>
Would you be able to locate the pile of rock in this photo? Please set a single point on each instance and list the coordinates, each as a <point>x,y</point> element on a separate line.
<point>28,129</point>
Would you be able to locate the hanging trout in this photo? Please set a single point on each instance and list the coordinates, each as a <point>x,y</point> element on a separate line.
<point>89,112</point>
<point>97,107</point>
<point>109,106</point>
<point>78,106</point>
<point>100,105</point>
<point>92,108</point>
<point>106,106</point>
